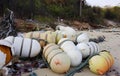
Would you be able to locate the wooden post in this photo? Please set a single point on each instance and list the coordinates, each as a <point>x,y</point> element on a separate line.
<point>80,14</point>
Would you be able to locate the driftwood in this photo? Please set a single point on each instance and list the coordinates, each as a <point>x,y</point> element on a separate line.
<point>7,25</point>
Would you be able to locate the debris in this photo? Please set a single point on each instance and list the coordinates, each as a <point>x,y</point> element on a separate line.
<point>33,74</point>
<point>18,68</point>
<point>7,26</point>
<point>98,40</point>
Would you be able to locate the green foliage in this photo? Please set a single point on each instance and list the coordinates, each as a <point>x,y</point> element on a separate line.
<point>109,14</point>
<point>113,13</point>
<point>46,10</point>
<point>55,10</point>
<point>65,10</point>
<point>92,15</point>
<point>44,19</point>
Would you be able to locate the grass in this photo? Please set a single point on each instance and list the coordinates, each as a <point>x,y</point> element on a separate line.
<point>44,19</point>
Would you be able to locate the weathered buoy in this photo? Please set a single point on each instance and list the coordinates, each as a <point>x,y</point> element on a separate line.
<point>49,36</point>
<point>57,59</point>
<point>84,48</point>
<point>94,48</point>
<point>25,47</point>
<point>101,63</point>
<point>59,35</point>
<point>69,32</point>
<point>88,48</point>
<point>69,47</point>
<point>50,47</point>
<point>98,65</point>
<point>60,63</point>
<point>82,37</point>
<point>107,55</point>
<point>6,52</point>
<point>108,60</point>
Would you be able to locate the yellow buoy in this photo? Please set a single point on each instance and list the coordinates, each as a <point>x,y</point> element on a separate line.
<point>98,65</point>
<point>107,59</point>
<point>111,59</point>
<point>101,63</point>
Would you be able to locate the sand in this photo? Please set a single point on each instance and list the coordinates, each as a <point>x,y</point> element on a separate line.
<point>111,43</point>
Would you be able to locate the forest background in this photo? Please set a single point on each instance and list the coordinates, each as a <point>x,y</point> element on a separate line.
<point>50,10</point>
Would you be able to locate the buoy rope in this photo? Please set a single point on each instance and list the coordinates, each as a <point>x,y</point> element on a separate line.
<point>82,65</point>
<point>30,48</point>
<point>21,49</point>
<point>47,47</point>
<point>90,53</point>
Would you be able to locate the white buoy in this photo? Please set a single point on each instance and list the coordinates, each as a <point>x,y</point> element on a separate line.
<point>88,48</point>
<point>82,38</point>
<point>84,48</point>
<point>25,47</point>
<point>67,31</point>
<point>69,47</point>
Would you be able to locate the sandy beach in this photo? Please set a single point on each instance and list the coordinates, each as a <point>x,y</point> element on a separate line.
<point>111,43</point>
<point>48,37</point>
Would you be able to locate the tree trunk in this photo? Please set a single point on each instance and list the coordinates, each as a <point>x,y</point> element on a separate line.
<point>80,13</point>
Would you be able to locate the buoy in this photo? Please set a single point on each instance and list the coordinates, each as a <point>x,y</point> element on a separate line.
<point>60,63</point>
<point>25,47</point>
<point>58,60</point>
<point>94,48</point>
<point>6,52</point>
<point>50,47</point>
<point>67,31</point>
<point>98,65</point>
<point>108,56</point>
<point>101,63</point>
<point>88,48</point>
<point>84,48</point>
<point>82,37</point>
<point>52,37</point>
<point>49,36</point>
<point>71,50</point>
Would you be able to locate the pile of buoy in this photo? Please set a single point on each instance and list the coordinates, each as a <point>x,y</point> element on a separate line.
<point>58,49</point>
